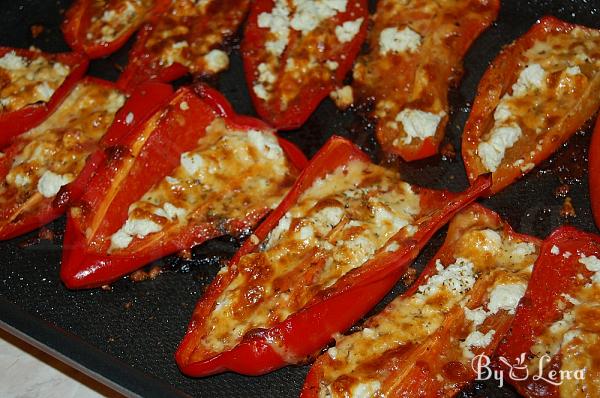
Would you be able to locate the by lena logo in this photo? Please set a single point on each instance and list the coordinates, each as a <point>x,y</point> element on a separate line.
<point>519,371</point>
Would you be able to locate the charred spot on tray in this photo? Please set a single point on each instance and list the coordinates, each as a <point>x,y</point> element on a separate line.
<point>448,152</point>
<point>567,210</point>
<point>36,30</point>
<point>562,190</point>
<point>142,275</point>
<point>409,276</point>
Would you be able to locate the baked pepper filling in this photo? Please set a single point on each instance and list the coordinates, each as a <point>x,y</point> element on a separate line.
<point>229,175</point>
<point>25,81</point>
<point>485,277</point>
<point>52,154</point>
<point>337,225</point>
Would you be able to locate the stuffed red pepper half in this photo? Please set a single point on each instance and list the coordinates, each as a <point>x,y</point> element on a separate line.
<point>553,347</point>
<point>192,171</point>
<point>99,28</point>
<point>427,342</point>
<point>189,36</point>
<point>32,85</point>
<point>48,162</point>
<point>295,56</point>
<point>414,55</point>
<point>533,97</point>
<point>594,173</point>
<point>338,242</point>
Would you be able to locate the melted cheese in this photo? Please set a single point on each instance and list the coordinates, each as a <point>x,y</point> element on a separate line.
<point>483,259</point>
<point>575,337</point>
<point>191,32</point>
<point>229,175</point>
<point>411,62</point>
<point>24,81</point>
<point>311,21</point>
<point>53,153</point>
<point>339,223</point>
<point>553,76</point>
<point>111,19</point>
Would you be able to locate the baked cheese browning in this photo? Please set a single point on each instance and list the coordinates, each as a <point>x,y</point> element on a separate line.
<point>305,42</point>
<point>573,341</point>
<point>190,33</point>
<point>112,18</point>
<point>415,52</point>
<point>554,75</point>
<point>336,225</point>
<point>481,279</point>
<point>25,81</point>
<point>42,160</point>
<point>230,175</point>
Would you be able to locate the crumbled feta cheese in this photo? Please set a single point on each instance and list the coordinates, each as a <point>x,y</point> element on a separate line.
<point>477,316</point>
<point>306,232</point>
<point>278,22</point>
<point>140,228</point>
<point>392,247</point>
<point>394,40</point>
<point>331,65</point>
<point>180,44</point>
<point>418,124</point>
<point>266,143</point>
<point>22,180</point>
<point>348,30</point>
<point>216,61</point>
<point>569,336</point>
<point>476,339</point>
<point>129,118</point>
<point>280,229</point>
<point>260,91</point>
<point>342,97</point>
<point>491,152</point>
<point>506,297</point>
<point>50,183</point>
<point>12,61</point>
<point>502,112</point>
<point>309,14</point>
<point>532,77</point>
<point>332,352</point>
<point>60,69</point>
<point>555,250</point>
<point>567,254</point>
<point>457,278</point>
<point>370,333</point>
<point>366,390</point>
<point>192,163</point>
<point>592,263</point>
<point>573,70</point>
<point>265,79</point>
<point>173,211</point>
<point>44,91</point>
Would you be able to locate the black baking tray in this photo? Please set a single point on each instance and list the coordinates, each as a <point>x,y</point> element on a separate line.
<point>126,336</point>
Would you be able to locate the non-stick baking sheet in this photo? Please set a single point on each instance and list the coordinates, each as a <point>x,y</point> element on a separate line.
<point>126,336</point>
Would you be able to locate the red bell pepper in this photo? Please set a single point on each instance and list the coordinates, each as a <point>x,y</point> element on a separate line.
<point>548,113</point>
<point>333,309</point>
<point>15,122</point>
<point>559,278</point>
<point>86,21</point>
<point>415,54</point>
<point>178,40</point>
<point>594,173</point>
<point>19,216</point>
<point>320,63</point>
<point>129,169</point>
<point>420,358</point>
